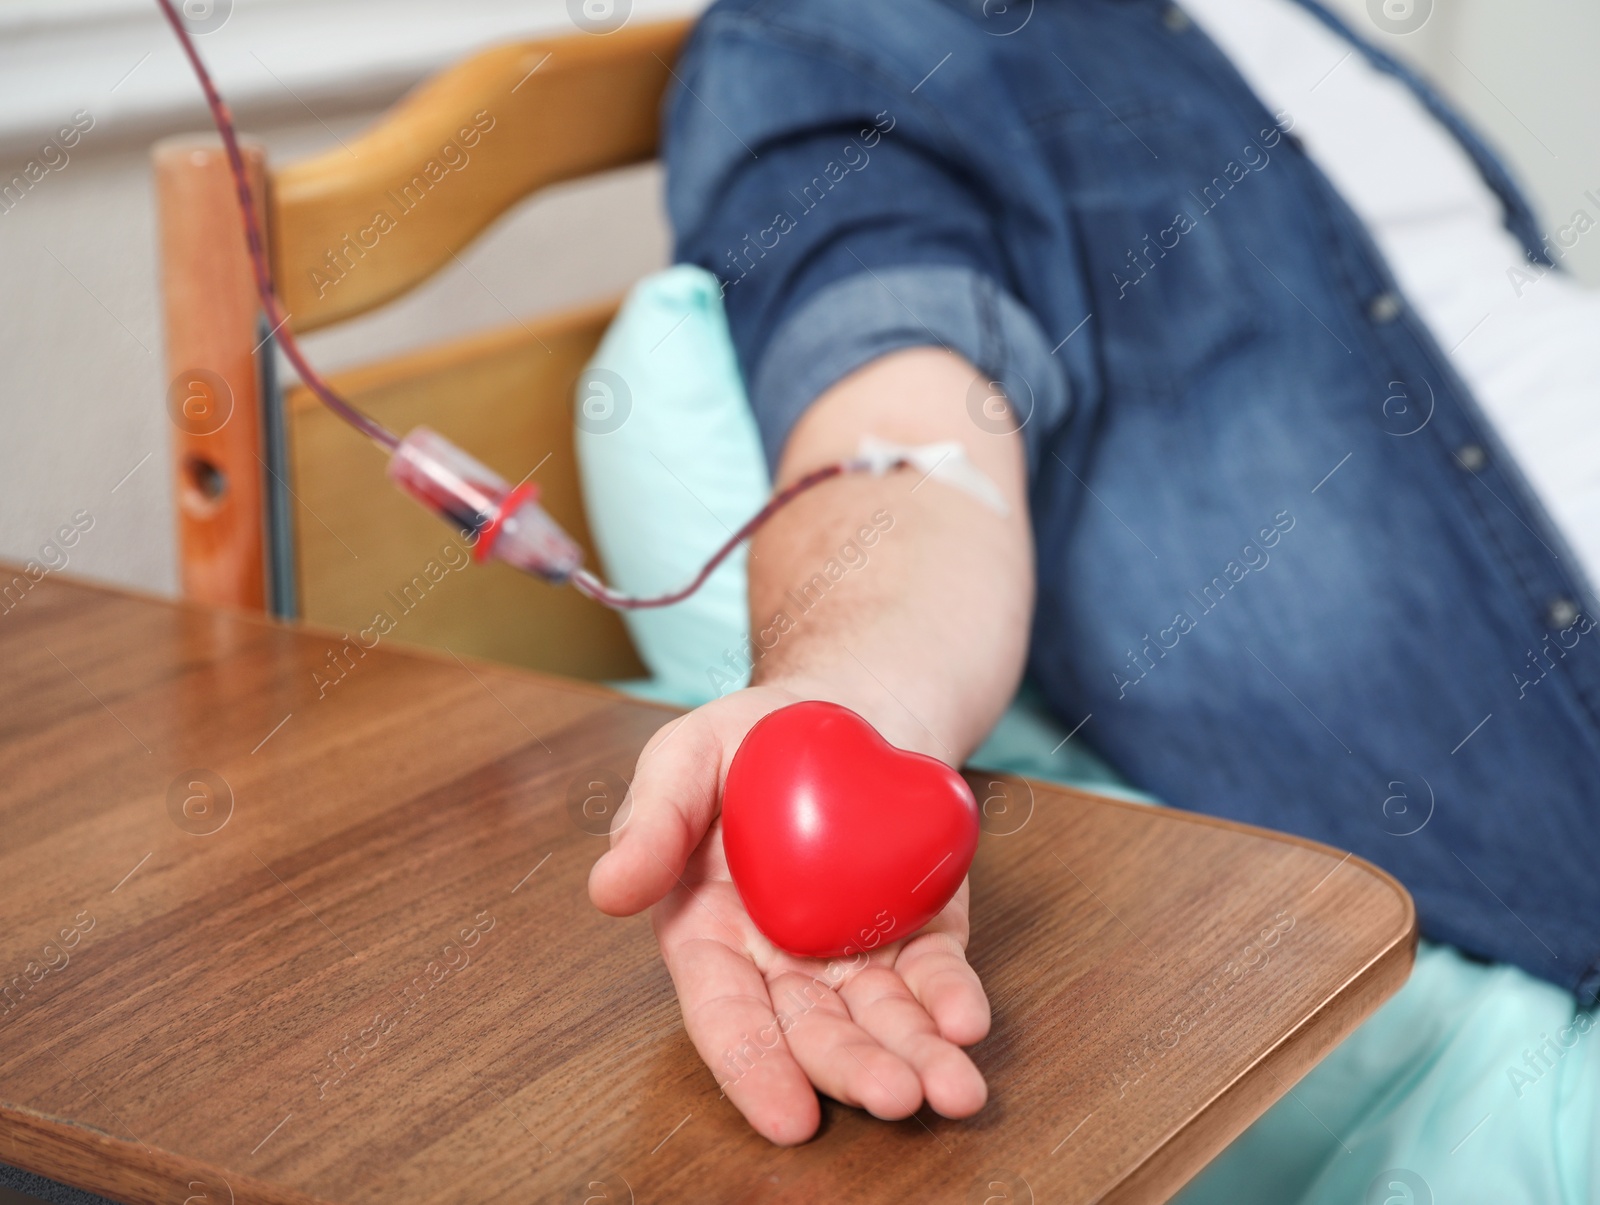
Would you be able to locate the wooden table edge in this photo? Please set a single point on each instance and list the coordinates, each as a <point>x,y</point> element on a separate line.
<point>1238,1104</point>
<point>93,1160</point>
<point>1185,1151</point>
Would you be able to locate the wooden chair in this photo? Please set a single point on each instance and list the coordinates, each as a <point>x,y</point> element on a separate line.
<point>281,506</point>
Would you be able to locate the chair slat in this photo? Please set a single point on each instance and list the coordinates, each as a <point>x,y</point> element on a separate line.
<point>357,226</point>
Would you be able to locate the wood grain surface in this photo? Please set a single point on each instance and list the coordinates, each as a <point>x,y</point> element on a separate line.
<point>360,965</point>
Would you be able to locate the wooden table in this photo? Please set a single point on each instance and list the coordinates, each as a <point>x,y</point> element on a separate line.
<point>360,965</point>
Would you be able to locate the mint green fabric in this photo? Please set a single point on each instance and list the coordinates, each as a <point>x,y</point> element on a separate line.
<point>1475,1083</point>
<point>672,465</point>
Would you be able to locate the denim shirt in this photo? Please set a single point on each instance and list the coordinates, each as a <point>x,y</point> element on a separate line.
<point>1287,574</point>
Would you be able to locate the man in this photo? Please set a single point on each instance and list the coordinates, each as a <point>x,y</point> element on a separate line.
<point>1295,422</point>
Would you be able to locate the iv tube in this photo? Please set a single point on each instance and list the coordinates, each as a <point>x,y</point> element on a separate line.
<point>270,304</point>
<point>507,522</point>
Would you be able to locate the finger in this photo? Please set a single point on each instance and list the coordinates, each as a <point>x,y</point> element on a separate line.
<point>671,803</point>
<point>841,1058</point>
<point>935,968</point>
<point>882,1004</point>
<point>728,1015</point>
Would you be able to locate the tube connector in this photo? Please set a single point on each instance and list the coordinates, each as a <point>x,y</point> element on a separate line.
<point>506,522</point>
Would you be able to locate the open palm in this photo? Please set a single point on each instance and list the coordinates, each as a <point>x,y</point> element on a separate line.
<point>881,1030</point>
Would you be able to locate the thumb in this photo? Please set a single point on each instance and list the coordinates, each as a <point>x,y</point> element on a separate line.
<point>669,807</point>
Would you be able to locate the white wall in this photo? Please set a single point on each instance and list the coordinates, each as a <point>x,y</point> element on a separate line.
<point>1527,73</point>
<point>81,386</point>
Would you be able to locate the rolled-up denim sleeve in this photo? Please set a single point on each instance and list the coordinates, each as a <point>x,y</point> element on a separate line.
<point>853,321</point>
<point>845,222</point>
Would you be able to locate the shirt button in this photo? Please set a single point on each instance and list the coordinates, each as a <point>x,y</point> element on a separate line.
<point>1563,611</point>
<point>1385,307</point>
<point>1472,457</point>
<point>1175,19</point>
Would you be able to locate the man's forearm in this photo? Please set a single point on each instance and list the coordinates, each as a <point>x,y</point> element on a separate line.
<point>901,597</point>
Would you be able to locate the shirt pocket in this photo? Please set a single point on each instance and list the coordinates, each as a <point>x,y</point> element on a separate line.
<point>1173,295</point>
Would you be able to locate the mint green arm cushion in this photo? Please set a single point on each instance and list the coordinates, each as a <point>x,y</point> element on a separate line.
<point>672,466</point>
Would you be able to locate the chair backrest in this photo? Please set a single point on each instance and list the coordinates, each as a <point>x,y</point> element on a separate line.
<point>281,506</point>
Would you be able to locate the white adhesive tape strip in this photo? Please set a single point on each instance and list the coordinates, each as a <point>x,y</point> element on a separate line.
<point>946,462</point>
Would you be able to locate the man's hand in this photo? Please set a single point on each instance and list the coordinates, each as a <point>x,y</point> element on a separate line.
<point>881,1030</point>
<point>924,637</point>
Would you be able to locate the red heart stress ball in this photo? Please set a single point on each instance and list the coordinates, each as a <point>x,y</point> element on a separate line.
<point>838,841</point>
